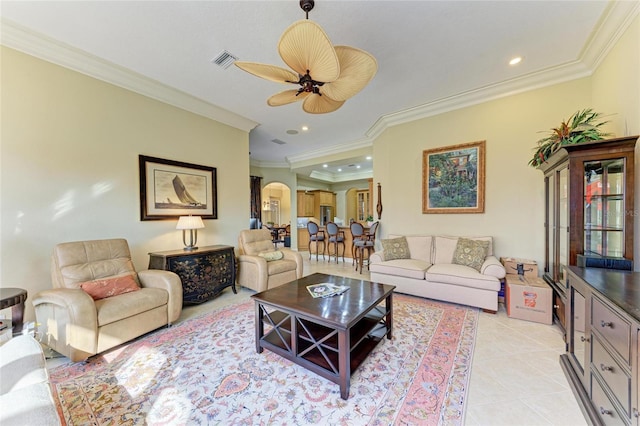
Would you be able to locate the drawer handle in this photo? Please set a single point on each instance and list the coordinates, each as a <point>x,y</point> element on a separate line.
<point>606,324</point>
<point>583,339</point>
<point>605,412</point>
<point>606,367</point>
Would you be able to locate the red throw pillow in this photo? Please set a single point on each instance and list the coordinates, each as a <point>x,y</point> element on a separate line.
<point>107,287</point>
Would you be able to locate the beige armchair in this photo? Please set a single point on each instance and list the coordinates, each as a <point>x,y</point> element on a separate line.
<point>76,325</point>
<point>255,272</point>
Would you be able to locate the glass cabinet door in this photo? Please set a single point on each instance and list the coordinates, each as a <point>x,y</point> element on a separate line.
<point>563,223</point>
<point>604,208</point>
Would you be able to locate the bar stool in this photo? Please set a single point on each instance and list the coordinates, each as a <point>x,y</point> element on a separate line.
<point>367,243</point>
<point>336,237</point>
<point>357,234</point>
<point>316,235</point>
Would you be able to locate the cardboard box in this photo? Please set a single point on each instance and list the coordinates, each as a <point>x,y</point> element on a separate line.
<point>529,298</point>
<point>512,264</point>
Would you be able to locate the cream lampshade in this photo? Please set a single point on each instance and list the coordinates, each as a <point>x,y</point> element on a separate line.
<point>191,223</point>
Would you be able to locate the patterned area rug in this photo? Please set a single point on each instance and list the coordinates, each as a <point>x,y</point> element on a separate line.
<point>206,371</point>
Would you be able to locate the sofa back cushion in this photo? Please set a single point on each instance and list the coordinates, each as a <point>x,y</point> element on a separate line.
<point>444,247</point>
<point>419,246</point>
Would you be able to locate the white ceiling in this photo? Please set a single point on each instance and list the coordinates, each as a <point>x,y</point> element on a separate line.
<point>432,56</point>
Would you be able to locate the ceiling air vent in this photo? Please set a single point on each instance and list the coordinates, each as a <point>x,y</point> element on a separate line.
<point>278,141</point>
<point>224,59</point>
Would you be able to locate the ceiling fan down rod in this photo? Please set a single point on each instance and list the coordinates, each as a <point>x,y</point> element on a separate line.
<point>307,6</point>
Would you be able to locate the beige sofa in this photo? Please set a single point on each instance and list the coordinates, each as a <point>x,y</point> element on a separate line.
<point>25,392</point>
<point>76,325</point>
<point>430,272</point>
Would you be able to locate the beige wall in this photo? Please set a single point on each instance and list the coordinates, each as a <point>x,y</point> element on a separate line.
<point>514,206</point>
<point>69,167</point>
<point>514,192</point>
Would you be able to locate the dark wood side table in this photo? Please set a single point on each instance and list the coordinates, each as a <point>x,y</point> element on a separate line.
<point>204,272</point>
<point>14,298</point>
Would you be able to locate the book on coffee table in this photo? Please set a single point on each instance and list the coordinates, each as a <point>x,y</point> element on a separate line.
<point>326,289</point>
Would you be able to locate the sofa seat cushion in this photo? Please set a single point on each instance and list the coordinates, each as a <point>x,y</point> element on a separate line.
<point>279,266</point>
<point>409,268</point>
<point>126,305</point>
<point>461,275</point>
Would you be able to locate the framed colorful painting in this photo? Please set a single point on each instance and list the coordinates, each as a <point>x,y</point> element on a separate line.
<point>453,179</point>
<point>169,189</point>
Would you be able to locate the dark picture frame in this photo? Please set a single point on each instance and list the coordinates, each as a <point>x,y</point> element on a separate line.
<point>453,179</point>
<point>169,189</point>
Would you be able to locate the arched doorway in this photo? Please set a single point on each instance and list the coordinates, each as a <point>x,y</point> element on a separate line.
<point>276,204</point>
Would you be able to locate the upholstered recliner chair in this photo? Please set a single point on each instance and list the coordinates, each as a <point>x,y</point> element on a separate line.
<point>260,266</point>
<point>99,300</point>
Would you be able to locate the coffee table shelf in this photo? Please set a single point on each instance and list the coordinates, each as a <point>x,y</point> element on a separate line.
<point>331,336</point>
<point>364,336</point>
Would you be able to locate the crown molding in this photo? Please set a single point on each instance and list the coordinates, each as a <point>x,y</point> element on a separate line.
<point>269,164</point>
<point>340,177</point>
<point>615,21</point>
<point>331,150</point>
<point>532,81</point>
<point>35,44</point>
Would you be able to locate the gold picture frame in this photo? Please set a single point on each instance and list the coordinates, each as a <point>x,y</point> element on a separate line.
<point>453,179</point>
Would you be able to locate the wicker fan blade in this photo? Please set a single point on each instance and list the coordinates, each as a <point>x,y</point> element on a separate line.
<point>316,104</point>
<point>268,72</point>
<point>357,68</point>
<point>286,97</point>
<point>305,47</point>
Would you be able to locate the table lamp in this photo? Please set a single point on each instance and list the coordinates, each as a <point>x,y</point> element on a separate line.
<point>191,223</point>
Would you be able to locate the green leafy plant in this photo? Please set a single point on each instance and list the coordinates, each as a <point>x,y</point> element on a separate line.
<point>369,218</point>
<point>583,126</point>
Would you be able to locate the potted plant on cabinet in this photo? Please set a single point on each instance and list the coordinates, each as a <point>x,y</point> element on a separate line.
<point>583,126</point>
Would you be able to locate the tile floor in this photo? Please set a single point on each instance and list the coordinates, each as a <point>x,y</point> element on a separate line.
<point>516,377</point>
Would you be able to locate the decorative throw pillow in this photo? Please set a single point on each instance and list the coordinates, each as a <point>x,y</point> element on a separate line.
<point>396,248</point>
<point>271,255</point>
<point>107,287</point>
<point>470,253</point>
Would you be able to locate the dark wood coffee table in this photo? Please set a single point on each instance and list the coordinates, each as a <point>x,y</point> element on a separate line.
<point>330,336</point>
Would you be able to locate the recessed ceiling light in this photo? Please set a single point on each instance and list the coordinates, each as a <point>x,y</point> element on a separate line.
<point>358,166</point>
<point>292,132</point>
<point>369,157</point>
<point>339,170</point>
<point>325,165</point>
<point>515,60</point>
<point>305,128</point>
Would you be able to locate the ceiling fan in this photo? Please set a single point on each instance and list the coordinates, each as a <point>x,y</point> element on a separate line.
<point>327,75</point>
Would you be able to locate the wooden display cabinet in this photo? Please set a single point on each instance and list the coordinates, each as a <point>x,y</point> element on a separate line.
<point>589,196</point>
